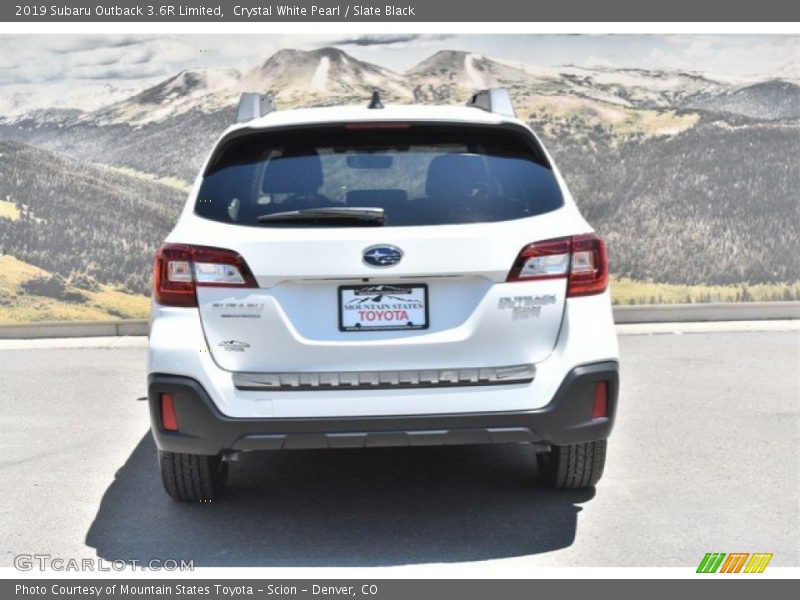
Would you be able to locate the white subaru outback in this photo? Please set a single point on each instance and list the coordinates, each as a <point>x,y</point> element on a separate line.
<point>353,277</point>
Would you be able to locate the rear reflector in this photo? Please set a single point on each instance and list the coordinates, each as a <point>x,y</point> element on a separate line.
<point>169,419</point>
<point>600,406</point>
<point>179,269</point>
<point>580,258</point>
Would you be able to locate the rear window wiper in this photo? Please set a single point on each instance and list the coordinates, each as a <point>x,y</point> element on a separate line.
<point>345,215</point>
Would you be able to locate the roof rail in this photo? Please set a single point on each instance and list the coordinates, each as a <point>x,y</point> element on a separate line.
<point>253,105</point>
<point>494,100</point>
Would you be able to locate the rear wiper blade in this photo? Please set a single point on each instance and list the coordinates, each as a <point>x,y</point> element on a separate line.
<point>345,214</point>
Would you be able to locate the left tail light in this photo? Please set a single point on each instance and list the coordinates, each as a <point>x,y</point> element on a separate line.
<point>180,269</point>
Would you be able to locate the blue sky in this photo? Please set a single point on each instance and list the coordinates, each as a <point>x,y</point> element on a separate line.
<point>69,68</point>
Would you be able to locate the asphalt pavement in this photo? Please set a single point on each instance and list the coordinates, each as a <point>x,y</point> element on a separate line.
<point>704,457</point>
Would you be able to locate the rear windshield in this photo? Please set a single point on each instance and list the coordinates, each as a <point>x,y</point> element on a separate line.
<point>418,175</point>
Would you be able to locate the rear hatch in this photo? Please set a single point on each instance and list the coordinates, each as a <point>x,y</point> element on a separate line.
<point>379,247</point>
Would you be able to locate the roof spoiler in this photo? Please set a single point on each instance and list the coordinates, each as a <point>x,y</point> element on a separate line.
<point>493,100</point>
<point>253,105</point>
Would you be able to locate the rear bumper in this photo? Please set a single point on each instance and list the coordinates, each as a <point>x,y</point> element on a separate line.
<point>203,429</point>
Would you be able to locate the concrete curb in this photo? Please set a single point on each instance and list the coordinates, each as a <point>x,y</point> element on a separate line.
<point>67,329</point>
<point>716,311</point>
<point>662,313</point>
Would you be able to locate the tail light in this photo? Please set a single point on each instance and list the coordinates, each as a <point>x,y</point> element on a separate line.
<point>581,259</point>
<point>588,273</point>
<point>179,269</point>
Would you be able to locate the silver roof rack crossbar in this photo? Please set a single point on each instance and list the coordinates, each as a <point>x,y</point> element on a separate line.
<point>253,105</point>
<point>494,100</point>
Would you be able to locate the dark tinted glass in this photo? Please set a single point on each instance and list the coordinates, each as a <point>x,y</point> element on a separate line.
<point>420,175</point>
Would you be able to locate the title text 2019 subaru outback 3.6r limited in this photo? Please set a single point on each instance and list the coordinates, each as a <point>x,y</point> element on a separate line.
<point>351,277</point>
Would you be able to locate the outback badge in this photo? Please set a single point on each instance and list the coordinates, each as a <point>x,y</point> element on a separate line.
<point>234,345</point>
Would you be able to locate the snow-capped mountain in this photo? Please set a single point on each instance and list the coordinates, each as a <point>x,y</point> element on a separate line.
<point>450,76</point>
<point>640,88</point>
<point>201,89</point>
<point>294,75</point>
<point>467,70</point>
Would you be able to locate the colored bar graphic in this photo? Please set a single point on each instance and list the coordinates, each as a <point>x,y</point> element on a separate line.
<point>711,562</point>
<point>758,562</point>
<point>734,562</point>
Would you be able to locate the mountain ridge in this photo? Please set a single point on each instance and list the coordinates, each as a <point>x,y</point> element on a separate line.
<point>321,76</point>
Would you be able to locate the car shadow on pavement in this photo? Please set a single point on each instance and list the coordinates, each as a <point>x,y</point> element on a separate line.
<point>375,507</point>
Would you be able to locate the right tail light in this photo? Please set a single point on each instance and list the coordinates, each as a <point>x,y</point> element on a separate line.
<point>581,259</point>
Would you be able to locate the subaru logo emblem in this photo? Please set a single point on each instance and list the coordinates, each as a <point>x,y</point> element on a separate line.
<point>382,256</point>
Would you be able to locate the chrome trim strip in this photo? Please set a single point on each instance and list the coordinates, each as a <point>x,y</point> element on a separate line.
<point>349,380</point>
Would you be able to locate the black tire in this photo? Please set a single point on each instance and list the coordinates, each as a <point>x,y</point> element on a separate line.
<point>192,477</point>
<point>573,467</point>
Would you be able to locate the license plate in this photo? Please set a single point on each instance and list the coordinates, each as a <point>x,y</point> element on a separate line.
<point>383,307</point>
